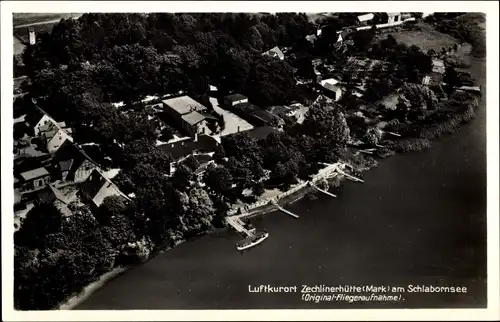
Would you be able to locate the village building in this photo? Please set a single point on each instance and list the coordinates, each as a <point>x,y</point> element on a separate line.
<point>438,66</point>
<point>181,148</point>
<point>188,114</point>
<point>275,52</point>
<point>332,88</point>
<point>433,79</point>
<point>52,134</point>
<point>199,163</point>
<point>34,179</point>
<point>311,38</point>
<point>51,195</point>
<point>72,164</point>
<point>293,111</point>
<point>234,99</point>
<point>365,19</point>
<point>257,116</point>
<point>97,188</point>
<point>258,133</point>
<point>393,17</point>
<point>281,111</point>
<point>342,35</point>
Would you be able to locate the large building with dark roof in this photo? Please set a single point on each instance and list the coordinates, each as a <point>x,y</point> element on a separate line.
<point>185,147</point>
<point>234,99</point>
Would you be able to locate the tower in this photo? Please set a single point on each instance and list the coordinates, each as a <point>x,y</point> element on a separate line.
<point>32,35</point>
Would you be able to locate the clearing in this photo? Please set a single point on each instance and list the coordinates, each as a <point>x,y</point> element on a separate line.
<point>24,18</point>
<point>426,38</point>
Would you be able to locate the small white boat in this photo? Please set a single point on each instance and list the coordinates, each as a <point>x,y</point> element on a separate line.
<point>252,241</point>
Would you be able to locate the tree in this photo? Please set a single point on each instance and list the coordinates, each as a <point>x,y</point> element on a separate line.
<point>258,189</point>
<point>219,180</point>
<point>219,153</point>
<point>198,211</point>
<point>270,82</point>
<point>363,39</point>
<point>325,122</point>
<point>40,221</point>
<point>373,135</point>
<point>419,97</point>
<point>451,79</point>
<point>253,39</point>
<point>116,218</point>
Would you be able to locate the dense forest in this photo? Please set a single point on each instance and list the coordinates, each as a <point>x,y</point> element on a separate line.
<point>83,65</point>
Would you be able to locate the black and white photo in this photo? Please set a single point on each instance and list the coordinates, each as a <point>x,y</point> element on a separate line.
<point>250,159</point>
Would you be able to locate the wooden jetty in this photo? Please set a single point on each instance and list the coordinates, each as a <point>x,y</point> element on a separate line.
<point>323,191</point>
<point>349,176</point>
<point>284,210</point>
<point>392,133</point>
<point>367,151</point>
<point>237,224</point>
<point>473,89</point>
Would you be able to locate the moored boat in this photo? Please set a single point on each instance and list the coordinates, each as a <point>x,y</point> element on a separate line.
<point>252,241</point>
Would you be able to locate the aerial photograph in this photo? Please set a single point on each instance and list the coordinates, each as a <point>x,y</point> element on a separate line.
<point>249,160</point>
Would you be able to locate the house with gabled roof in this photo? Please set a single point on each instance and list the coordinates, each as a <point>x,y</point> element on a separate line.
<point>71,163</point>
<point>275,52</point>
<point>234,99</point>
<point>52,133</point>
<point>332,88</point>
<point>182,148</point>
<point>34,179</point>
<point>311,38</point>
<point>97,188</point>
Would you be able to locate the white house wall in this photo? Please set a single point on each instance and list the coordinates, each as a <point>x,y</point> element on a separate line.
<point>55,143</point>
<point>43,121</point>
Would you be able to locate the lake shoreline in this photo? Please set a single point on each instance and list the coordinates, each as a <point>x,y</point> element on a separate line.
<point>74,301</point>
<point>476,69</point>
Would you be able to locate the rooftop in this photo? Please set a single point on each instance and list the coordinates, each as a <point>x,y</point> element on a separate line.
<point>279,110</point>
<point>179,150</point>
<point>184,104</point>
<point>438,66</point>
<point>275,52</point>
<point>193,118</point>
<point>65,165</point>
<point>366,17</point>
<point>98,187</point>
<point>33,174</point>
<point>263,115</point>
<point>236,97</point>
<point>261,132</point>
<point>332,87</point>
<point>331,81</point>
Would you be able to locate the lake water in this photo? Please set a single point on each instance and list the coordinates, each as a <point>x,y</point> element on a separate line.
<point>419,218</point>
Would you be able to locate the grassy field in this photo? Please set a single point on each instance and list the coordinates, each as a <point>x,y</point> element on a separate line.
<point>42,22</point>
<point>426,38</point>
<point>20,18</point>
